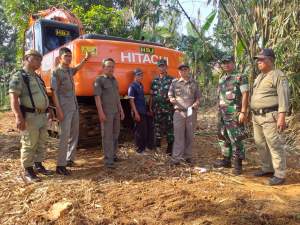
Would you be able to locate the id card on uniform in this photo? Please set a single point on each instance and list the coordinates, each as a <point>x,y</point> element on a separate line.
<point>189,111</point>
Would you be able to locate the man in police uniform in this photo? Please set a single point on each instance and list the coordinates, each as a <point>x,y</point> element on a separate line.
<point>269,105</point>
<point>184,94</point>
<point>161,106</point>
<point>29,103</point>
<point>233,92</point>
<point>110,111</point>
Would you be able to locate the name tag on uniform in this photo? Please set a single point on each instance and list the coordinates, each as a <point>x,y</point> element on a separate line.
<point>190,111</point>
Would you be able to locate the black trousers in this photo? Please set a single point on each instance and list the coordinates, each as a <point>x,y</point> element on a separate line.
<point>144,133</point>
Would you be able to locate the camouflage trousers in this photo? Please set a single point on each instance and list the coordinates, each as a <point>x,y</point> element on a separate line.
<point>230,135</point>
<point>163,125</point>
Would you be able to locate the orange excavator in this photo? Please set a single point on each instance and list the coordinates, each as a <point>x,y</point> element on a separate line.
<point>56,27</point>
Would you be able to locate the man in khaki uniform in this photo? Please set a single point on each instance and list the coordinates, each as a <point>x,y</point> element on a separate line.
<point>269,105</point>
<point>110,111</point>
<point>29,102</point>
<point>184,94</point>
<point>65,101</point>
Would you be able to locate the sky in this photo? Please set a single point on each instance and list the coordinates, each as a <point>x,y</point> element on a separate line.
<point>192,7</point>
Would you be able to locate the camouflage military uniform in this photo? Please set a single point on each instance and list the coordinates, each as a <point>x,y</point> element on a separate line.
<point>230,132</point>
<point>162,108</point>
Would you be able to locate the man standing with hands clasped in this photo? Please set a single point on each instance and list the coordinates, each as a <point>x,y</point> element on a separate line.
<point>184,94</point>
<point>142,130</point>
<point>110,111</point>
<point>161,107</point>
<point>269,105</point>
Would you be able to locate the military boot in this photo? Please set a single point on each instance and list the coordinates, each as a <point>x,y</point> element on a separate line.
<point>62,170</point>
<point>41,169</point>
<point>225,162</point>
<point>30,176</point>
<point>169,149</point>
<point>237,170</point>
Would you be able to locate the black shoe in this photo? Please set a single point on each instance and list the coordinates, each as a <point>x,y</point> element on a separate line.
<point>30,176</point>
<point>188,161</point>
<point>225,162</point>
<point>62,170</point>
<point>41,169</point>
<point>158,143</point>
<point>238,166</point>
<point>175,162</point>
<point>276,181</point>
<point>169,149</point>
<point>116,159</point>
<point>263,174</point>
<point>110,165</point>
<point>70,163</point>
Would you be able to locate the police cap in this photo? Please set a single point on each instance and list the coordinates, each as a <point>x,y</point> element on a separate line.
<point>265,53</point>
<point>181,66</point>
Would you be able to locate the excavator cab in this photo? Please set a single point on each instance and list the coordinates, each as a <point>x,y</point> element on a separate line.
<point>48,35</point>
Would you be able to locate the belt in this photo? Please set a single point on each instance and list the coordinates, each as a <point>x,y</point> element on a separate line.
<point>263,111</point>
<point>32,110</point>
<point>181,110</point>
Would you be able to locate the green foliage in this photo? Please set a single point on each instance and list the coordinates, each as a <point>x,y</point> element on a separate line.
<point>209,20</point>
<point>4,81</point>
<point>102,20</point>
<point>7,40</point>
<point>273,24</point>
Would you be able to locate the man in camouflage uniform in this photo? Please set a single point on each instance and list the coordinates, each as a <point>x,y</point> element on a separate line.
<point>269,105</point>
<point>30,112</point>
<point>233,102</point>
<point>161,106</point>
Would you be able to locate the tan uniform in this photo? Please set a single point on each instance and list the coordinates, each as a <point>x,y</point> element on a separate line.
<point>107,88</point>
<point>271,91</point>
<point>62,83</point>
<point>186,93</point>
<point>35,135</point>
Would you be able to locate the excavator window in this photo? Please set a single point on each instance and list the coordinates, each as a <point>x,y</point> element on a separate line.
<point>56,37</point>
<point>50,35</point>
<point>29,39</point>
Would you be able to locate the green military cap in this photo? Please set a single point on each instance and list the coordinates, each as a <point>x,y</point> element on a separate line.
<point>32,52</point>
<point>227,58</point>
<point>161,62</point>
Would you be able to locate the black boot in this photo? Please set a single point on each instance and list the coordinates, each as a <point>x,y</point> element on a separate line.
<point>41,169</point>
<point>62,170</point>
<point>157,143</point>
<point>225,162</point>
<point>169,149</point>
<point>30,176</point>
<point>237,166</point>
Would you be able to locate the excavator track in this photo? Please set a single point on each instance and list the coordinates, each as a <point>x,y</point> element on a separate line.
<point>89,125</point>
